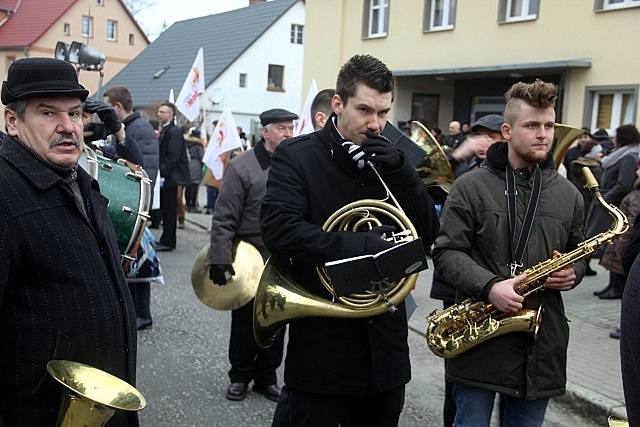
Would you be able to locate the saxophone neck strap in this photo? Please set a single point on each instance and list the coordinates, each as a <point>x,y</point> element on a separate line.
<point>516,256</point>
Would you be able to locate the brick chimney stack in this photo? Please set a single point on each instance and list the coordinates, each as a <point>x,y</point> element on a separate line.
<point>252,2</point>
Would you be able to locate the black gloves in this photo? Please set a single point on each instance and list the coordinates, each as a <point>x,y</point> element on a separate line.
<point>374,241</point>
<point>218,273</point>
<point>106,113</point>
<point>380,151</point>
<point>98,131</point>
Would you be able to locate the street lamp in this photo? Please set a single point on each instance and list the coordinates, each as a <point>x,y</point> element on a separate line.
<point>85,57</point>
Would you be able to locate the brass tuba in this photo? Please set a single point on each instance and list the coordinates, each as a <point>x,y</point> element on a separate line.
<point>280,299</point>
<point>465,325</point>
<point>92,396</point>
<point>562,139</point>
<point>434,169</point>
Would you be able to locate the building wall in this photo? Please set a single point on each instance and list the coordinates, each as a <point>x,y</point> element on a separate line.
<point>274,47</point>
<point>564,30</point>
<point>118,53</point>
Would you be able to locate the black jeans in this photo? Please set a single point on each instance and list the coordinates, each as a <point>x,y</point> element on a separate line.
<point>248,360</point>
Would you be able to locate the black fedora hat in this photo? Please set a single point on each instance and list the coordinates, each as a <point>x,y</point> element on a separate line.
<point>29,78</point>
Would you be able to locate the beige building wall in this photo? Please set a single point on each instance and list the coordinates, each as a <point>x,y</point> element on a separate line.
<point>118,53</point>
<point>564,30</point>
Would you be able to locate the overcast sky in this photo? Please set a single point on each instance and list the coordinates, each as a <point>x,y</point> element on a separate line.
<point>170,11</point>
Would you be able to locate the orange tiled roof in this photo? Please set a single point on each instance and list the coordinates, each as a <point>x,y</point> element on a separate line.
<point>30,21</point>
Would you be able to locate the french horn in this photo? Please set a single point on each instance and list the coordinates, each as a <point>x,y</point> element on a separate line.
<point>280,299</point>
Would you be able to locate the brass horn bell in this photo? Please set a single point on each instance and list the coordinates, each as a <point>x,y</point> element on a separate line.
<point>240,288</point>
<point>434,169</point>
<point>92,396</point>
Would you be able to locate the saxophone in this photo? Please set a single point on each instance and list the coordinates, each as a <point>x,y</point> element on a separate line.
<point>463,326</point>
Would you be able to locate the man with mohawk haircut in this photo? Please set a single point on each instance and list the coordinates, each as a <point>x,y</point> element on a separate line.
<point>511,213</point>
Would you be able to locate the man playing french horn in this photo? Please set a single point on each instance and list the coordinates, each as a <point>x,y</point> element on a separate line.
<point>512,213</point>
<point>354,367</point>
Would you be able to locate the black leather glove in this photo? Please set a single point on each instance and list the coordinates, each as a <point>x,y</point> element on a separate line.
<point>106,113</point>
<point>98,131</point>
<point>218,273</point>
<point>374,241</point>
<point>380,151</point>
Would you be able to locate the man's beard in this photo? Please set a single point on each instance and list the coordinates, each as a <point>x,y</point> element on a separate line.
<point>533,157</point>
<point>57,140</point>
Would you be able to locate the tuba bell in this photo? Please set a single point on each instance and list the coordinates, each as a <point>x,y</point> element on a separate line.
<point>280,299</point>
<point>91,396</point>
<point>563,138</point>
<point>434,169</point>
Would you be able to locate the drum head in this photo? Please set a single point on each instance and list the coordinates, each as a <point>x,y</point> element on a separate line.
<point>239,290</point>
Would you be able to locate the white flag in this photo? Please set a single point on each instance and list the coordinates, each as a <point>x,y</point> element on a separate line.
<point>305,124</point>
<point>224,138</point>
<point>188,101</point>
<point>172,98</point>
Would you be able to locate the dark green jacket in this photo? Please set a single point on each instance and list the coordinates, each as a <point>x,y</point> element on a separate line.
<point>472,252</point>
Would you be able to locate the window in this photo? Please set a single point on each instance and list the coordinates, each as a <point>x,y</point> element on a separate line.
<point>276,78</point>
<point>439,15</point>
<point>296,33</point>
<point>615,4</point>
<point>131,39</point>
<point>610,107</point>
<point>243,80</point>
<point>87,26</point>
<point>518,10</point>
<point>376,18</point>
<point>112,30</point>
<point>66,29</point>
<point>100,2</point>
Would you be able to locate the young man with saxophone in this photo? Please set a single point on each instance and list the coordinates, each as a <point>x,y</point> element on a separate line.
<point>354,367</point>
<point>512,213</point>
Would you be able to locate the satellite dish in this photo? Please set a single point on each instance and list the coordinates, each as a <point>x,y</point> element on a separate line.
<point>217,96</point>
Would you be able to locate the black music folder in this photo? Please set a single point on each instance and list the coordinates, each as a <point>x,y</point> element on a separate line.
<point>372,272</point>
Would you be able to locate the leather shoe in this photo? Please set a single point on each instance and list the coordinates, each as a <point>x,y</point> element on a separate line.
<point>602,291</point>
<point>163,248</point>
<point>237,391</point>
<point>144,323</point>
<point>590,271</point>
<point>208,212</point>
<point>615,334</point>
<point>195,210</point>
<point>271,391</point>
<point>611,294</point>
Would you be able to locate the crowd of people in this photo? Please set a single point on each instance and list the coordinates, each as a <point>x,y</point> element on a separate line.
<point>500,217</point>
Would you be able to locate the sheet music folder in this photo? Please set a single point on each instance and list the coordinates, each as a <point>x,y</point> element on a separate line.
<point>358,274</point>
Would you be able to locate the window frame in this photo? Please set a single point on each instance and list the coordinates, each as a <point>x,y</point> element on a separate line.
<point>429,16</point>
<point>370,9</point>
<point>592,105</point>
<point>242,80</point>
<point>115,30</point>
<point>66,29</point>
<point>297,33</point>
<point>505,8</point>
<point>90,23</point>
<point>605,6</point>
<point>131,39</point>
<point>99,2</point>
<point>271,76</point>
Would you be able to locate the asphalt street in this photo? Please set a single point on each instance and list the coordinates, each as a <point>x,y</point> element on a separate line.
<point>183,364</point>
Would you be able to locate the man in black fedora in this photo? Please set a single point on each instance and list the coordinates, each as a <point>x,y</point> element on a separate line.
<point>63,294</point>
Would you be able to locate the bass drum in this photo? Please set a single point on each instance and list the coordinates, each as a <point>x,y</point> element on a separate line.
<point>128,188</point>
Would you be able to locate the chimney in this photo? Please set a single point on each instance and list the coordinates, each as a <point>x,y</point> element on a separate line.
<point>252,2</point>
